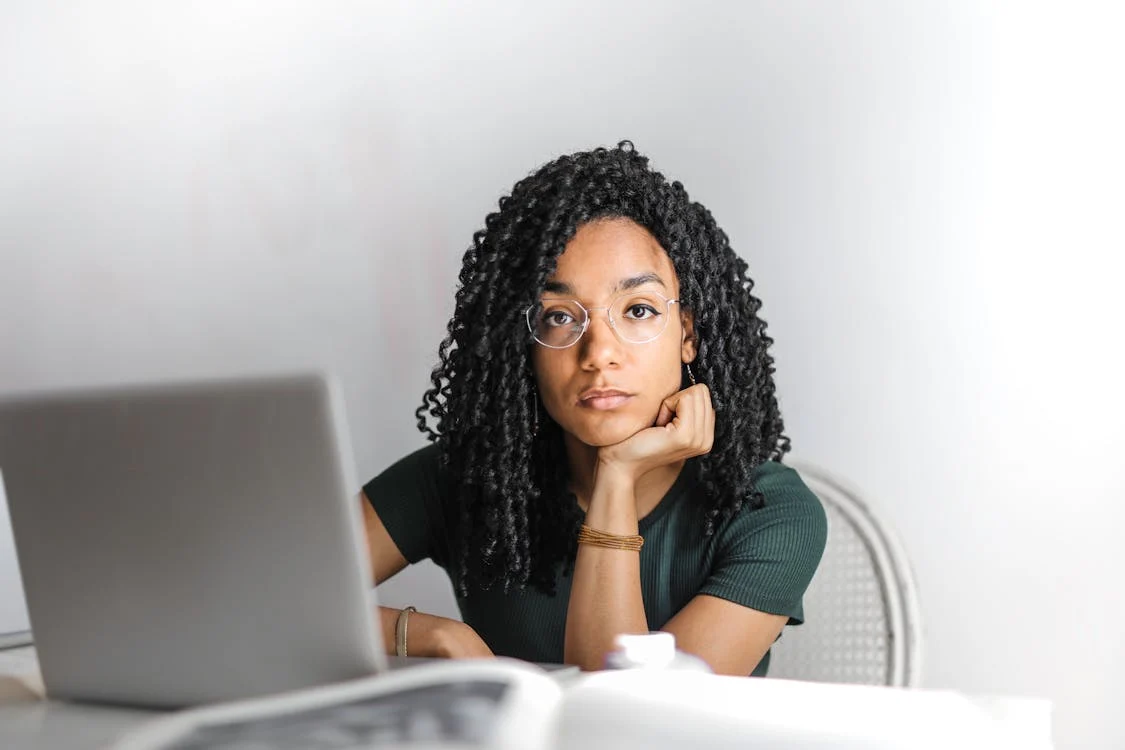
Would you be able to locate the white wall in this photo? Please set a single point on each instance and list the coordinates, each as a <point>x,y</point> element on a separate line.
<point>929,195</point>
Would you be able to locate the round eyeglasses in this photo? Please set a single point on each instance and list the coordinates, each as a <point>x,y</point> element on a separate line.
<point>636,318</point>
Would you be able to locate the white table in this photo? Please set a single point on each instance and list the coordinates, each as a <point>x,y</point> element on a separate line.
<point>601,707</point>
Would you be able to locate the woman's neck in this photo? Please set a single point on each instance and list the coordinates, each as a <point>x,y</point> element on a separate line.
<point>650,488</point>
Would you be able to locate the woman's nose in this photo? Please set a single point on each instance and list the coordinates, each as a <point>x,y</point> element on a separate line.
<point>599,344</point>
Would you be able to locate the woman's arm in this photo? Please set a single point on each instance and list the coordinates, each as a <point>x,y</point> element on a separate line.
<point>427,635</point>
<point>606,600</point>
<point>731,638</point>
<point>605,596</point>
<point>434,636</point>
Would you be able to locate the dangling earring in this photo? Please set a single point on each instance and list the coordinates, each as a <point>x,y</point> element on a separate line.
<point>691,376</point>
<point>535,417</point>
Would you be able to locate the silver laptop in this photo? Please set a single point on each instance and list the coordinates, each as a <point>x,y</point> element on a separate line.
<point>186,544</point>
<point>15,630</point>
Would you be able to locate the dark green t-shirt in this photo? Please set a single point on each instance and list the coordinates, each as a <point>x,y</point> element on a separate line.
<point>760,558</point>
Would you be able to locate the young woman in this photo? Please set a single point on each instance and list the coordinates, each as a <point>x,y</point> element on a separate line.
<point>607,443</point>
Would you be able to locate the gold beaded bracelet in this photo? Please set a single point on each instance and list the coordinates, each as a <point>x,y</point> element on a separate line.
<point>596,538</point>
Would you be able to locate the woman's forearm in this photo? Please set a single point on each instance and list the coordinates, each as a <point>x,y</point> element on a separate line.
<point>431,635</point>
<point>605,595</point>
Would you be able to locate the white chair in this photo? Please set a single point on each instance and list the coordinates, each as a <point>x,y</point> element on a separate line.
<point>862,620</point>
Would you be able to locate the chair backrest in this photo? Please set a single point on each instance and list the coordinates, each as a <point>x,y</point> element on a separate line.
<point>862,619</point>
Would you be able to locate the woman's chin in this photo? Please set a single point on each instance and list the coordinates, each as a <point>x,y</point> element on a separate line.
<point>605,432</point>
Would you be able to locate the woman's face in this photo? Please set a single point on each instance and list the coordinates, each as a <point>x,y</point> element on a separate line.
<point>603,390</point>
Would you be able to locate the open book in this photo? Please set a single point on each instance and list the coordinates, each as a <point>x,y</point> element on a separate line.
<point>496,703</point>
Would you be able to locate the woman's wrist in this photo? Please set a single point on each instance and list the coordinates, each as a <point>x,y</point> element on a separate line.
<point>613,503</point>
<point>614,477</point>
<point>402,631</point>
<point>431,635</point>
<point>420,638</point>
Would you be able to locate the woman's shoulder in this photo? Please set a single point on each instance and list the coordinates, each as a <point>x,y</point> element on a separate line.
<point>767,553</point>
<point>419,468</point>
<point>785,498</point>
<point>427,458</point>
<point>780,483</point>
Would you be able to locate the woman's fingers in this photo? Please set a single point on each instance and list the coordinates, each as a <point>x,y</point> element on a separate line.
<point>692,419</point>
<point>709,427</point>
<point>705,413</point>
<point>684,428</point>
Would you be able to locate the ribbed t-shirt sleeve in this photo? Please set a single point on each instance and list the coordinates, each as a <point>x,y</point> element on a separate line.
<point>766,556</point>
<point>407,499</point>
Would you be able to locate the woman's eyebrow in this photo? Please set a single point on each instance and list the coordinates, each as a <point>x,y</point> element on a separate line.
<point>561,287</point>
<point>558,287</point>
<point>640,280</point>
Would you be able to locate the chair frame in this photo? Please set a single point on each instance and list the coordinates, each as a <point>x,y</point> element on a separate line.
<point>892,568</point>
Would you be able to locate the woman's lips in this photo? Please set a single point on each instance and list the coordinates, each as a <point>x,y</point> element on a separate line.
<point>601,401</point>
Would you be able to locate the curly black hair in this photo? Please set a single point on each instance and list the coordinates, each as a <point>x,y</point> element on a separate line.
<point>514,518</point>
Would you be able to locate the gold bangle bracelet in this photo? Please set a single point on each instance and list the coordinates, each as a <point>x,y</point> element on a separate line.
<point>596,538</point>
<point>400,630</point>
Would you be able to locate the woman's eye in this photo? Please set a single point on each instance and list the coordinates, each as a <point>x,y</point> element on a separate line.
<point>640,312</point>
<point>557,319</point>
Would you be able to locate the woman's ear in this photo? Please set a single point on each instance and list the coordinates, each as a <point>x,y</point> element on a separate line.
<point>688,348</point>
